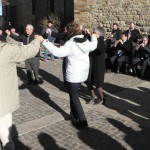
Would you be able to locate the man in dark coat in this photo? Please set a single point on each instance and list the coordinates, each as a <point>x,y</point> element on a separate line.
<point>123,51</point>
<point>142,56</point>
<point>133,34</point>
<point>33,63</point>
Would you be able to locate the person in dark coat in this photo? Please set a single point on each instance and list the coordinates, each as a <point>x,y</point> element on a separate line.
<point>142,56</point>
<point>123,52</point>
<point>32,65</point>
<point>116,32</point>
<point>133,33</point>
<point>97,68</point>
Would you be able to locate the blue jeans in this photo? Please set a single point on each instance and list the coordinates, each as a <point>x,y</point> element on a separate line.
<point>75,104</point>
<point>45,54</point>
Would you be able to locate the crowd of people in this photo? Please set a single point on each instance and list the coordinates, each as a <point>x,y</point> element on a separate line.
<point>86,56</point>
<point>128,51</point>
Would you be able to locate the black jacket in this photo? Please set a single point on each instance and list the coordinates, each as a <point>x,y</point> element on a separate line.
<point>126,47</point>
<point>116,34</point>
<point>135,35</point>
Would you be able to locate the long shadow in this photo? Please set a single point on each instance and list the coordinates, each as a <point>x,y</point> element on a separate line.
<point>48,142</point>
<point>51,79</point>
<point>98,140</point>
<point>41,94</point>
<point>45,76</point>
<point>130,102</point>
<point>137,140</point>
<point>18,144</point>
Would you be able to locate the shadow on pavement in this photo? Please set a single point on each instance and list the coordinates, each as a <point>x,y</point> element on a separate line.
<point>48,142</point>
<point>133,103</point>
<point>18,144</point>
<point>51,79</point>
<point>43,95</point>
<point>98,140</point>
<point>137,140</point>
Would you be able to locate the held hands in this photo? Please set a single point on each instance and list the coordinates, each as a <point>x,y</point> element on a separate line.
<point>40,38</point>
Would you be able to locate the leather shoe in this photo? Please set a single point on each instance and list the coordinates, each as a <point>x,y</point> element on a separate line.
<point>36,82</point>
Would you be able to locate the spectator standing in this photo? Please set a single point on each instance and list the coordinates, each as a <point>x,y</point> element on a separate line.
<point>116,32</point>
<point>46,34</point>
<point>133,33</point>
<point>32,64</point>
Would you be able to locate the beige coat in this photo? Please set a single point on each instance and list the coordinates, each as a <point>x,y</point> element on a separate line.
<point>10,55</point>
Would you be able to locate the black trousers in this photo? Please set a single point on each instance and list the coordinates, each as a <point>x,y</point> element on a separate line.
<point>32,68</point>
<point>75,104</point>
<point>119,60</point>
<point>144,64</point>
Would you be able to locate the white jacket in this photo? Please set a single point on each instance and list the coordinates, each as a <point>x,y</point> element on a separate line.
<point>77,57</point>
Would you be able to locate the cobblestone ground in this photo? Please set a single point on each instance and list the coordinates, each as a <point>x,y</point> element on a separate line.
<point>39,123</point>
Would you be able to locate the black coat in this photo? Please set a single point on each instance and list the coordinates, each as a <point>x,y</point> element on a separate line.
<point>126,47</point>
<point>61,37</point>
<point>116,34</point>
<point>97,64</point>
<point>135,35</point>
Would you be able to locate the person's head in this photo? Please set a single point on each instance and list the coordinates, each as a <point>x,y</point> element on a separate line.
<point>1,32</point>
<point>13,30</point>
<point>65,30</point>
<point>73,29</point>
<point>99,31</point>
<point>132,25</point>
<point>49,24</point>
<point>29,29</point>
<point>145,40</point>
<point>115,26</point>
<point>124,36</point>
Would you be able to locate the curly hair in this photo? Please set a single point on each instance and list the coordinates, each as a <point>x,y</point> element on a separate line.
<point>73,29</point>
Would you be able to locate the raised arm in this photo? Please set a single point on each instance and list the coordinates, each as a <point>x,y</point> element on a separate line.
<point>21,53</point>
<point>63,51</point>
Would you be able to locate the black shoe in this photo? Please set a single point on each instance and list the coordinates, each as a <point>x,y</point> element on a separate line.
<point>36,82</point>
<point>79,124</point>
<point>104,101</point>
<point>98,101</point>
<point>30,82</point>
<point>83,124</point>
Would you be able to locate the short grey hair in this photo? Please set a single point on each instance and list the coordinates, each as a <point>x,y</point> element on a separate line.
<point>99,30</point>
<point>31,26</point>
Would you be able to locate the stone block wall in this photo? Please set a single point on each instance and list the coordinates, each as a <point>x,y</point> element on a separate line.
<point>106,12</point>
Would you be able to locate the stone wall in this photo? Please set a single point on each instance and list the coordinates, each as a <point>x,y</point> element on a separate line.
<point>106,12</point>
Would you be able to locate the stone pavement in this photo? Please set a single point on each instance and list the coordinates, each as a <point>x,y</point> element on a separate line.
<point>123,123</point>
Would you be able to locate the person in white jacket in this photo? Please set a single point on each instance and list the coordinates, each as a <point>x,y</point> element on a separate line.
<point>76,49</point>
